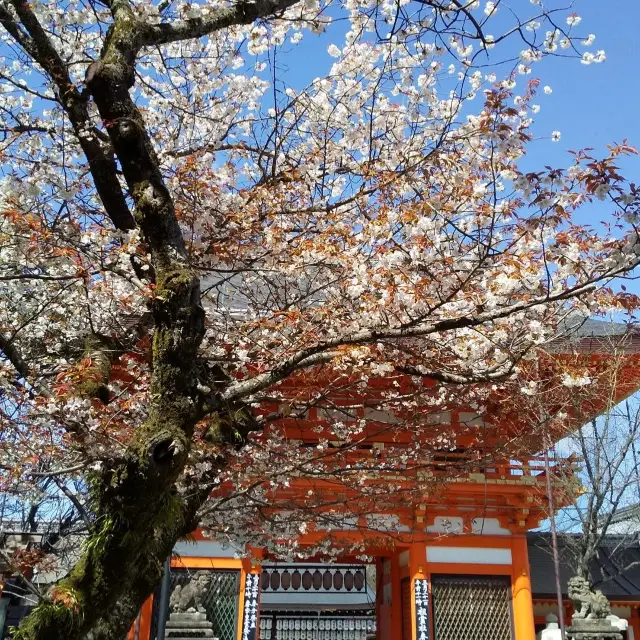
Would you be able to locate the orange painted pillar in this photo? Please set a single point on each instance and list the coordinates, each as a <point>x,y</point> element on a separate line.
<point>395,628</point>
<point>144,630</point>
<point>634,623</point>
<point>521,584</point>
<point>141,628</point>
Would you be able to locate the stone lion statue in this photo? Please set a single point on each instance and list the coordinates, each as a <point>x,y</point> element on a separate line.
<point>588,605</point>
<point>190,597</point>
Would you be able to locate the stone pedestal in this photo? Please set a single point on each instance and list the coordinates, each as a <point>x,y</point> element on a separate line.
<point>593,629</point>
<point>187,626</point>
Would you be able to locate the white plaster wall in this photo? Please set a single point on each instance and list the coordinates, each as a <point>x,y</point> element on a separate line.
<point>207,549</point>
<point>469,555</point>
<point>488,527</point>
<point>443,524</point>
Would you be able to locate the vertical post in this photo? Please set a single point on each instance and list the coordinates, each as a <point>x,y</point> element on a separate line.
<point>523,618</point>
<point>163,605</point>
<point>249,618</point>
<point>554,544</point>
<point>417,571</point>
<point>4,604</point>
<point>146,614</point>
<point>141,628</point>
<point>395,629</point>
<point>380,610</point>
<point>634,624</point>
<point>134,632</point>
<point>243,580</point>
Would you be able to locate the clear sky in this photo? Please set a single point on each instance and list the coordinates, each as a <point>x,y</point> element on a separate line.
<point>593,105</point>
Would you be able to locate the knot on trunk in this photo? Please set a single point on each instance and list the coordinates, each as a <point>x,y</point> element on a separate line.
<point>128,128</point>
<point>164,452</point>
<point>162,446</point>
<point>231,425</point>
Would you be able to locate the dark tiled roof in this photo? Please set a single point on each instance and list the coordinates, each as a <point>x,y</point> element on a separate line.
<point>630,513</point>
<point>613,571</point>
<point>581,334</point>
<point>581,327</point>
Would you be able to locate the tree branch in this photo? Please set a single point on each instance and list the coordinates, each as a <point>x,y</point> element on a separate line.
<point>14,357</point>
<point>103,168</point>
<point>244,12</point>
<point>58,472</point>
<point>75,502</point>
<point>35,276</point>
<point>19,364</point>
<point>7,559</point>
<point>321,351</point>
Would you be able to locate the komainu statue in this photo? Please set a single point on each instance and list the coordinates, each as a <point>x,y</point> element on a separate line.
<point>588,605</point>
<point>190,597</point>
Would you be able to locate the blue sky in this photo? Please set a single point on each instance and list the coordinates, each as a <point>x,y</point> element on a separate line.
<point>596,104</point>
<point>593,105</point>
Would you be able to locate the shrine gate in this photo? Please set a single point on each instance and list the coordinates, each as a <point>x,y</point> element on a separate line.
<point>453,562</point>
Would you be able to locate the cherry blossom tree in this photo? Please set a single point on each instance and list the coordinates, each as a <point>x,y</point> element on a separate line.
<point>187,238</point>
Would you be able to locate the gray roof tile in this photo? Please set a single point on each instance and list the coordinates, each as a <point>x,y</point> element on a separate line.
<point>613,571</point>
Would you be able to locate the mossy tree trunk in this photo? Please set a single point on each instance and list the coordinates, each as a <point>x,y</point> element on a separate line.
<point>138,514</point>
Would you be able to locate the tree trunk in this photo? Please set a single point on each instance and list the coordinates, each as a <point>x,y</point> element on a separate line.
<point>120,567</point>
<point>138,514</point>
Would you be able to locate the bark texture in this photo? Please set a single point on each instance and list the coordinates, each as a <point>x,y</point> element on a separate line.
<point>137,512</point>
